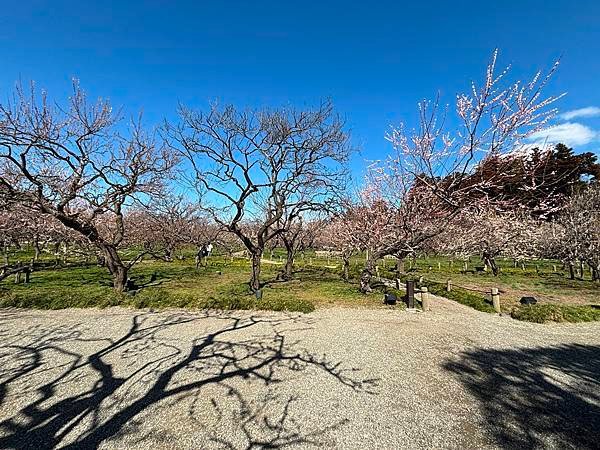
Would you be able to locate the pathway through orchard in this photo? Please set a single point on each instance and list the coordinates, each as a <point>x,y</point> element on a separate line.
<point>339,378</point>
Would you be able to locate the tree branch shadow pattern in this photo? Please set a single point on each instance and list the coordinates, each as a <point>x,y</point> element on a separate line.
<point>82,400</point>
<point>536,398</point>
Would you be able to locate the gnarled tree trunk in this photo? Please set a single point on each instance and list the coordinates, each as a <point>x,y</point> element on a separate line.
<point>490,261</point>
<point>115,266</point>
<point>400,265</point>
<point>595,271</point>
<point>571,270</point>
<point>367,273</point>
<point>256,263</point>
<point>5,254</point>
<point>169,253</point>
<point>288,269</point>
<point>37,249</point>
<point>289,266</point>
<point>346,267</point>
<point>369,268</point>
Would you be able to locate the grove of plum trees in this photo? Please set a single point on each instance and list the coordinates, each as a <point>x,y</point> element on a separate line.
<point>74,175</point>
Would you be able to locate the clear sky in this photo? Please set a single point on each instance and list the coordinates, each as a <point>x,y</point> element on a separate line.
<point>374,59</point>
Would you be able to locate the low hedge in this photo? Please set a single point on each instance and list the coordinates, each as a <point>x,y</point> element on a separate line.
<point>151,298</point>
<point>556,313</point>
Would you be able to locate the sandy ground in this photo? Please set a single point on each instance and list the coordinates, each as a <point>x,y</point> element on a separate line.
<point>336,378</point>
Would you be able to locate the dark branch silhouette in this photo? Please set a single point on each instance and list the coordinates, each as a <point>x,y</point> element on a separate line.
<point>533,397</point>
<point>160,371</point>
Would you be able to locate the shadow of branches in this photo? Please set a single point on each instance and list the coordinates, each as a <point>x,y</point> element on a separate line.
<point>81,399</point>
<point>536,398</point>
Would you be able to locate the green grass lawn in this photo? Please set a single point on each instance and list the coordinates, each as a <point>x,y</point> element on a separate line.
<point>220,285</point>
<point>317,283</point>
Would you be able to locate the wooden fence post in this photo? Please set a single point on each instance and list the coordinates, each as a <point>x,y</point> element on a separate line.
<point>449,285</point>
<point>410,294</point>
<point>377,271</point>
<point>425,298</point>
<point>496,299</point>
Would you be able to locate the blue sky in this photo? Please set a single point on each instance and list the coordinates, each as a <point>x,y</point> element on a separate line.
<point>375,60</point>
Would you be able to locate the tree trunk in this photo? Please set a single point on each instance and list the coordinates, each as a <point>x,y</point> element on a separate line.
<point>65,253</point>
<point>6,259</point>
<point>120,279</point>
<point>595,272</point>
<point>346,267</point>
<point>117,269</point>
<point>37,250</point>
<point>168,254</point>
<point>57,253</point>
<point>490,261</point>
<point>255,278</point>
<point>100,260</point>
<point>494,266</point>
<point>367,274</point>
<point>289,265</point>
<point>571,271</point>
<point>400,265</point>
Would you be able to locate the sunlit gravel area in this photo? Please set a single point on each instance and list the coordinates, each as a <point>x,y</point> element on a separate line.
<point>336,378</point>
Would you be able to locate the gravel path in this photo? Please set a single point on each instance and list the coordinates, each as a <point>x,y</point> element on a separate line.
<point>336,378</point>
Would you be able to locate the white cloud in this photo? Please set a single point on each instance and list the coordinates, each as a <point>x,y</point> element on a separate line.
<point>590,111</point>
<point>568,133</point>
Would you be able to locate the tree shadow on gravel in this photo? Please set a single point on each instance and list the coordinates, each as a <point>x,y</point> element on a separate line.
<point>536,398</point>
<point>83,388</point>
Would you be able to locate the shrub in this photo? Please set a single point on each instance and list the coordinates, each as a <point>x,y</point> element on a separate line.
<point>60,299</point>
<point>556,313</point>
<point>148,298</point>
